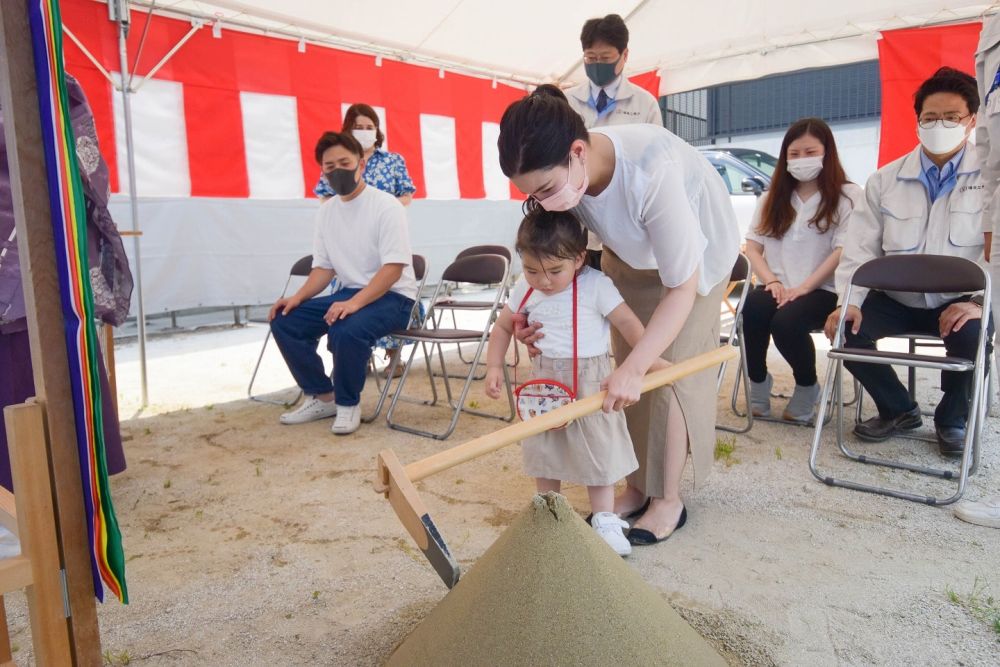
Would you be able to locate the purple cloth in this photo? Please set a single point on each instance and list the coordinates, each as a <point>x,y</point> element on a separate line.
<point>18,385</point>
<point>11,294</point>
<point>110,279</point>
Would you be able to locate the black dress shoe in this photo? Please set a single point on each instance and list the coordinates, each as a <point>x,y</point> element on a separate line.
<point>631,515</point>
<point>878,429</point>
<point>951,440</point>
<point>641,537</point>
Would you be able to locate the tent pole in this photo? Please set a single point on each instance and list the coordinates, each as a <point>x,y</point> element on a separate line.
<point>123,26</point>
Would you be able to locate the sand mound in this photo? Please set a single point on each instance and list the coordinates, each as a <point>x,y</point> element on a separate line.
<point>550,592</point>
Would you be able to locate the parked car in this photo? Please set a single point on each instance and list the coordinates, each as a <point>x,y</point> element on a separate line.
<point>744,181</point>
<point>759,160</point>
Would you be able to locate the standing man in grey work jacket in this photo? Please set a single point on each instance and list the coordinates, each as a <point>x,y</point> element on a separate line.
<point>608,97</point>
<point>987,511</point>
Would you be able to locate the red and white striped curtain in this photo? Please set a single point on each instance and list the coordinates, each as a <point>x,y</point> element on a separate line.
<point>239,115</point>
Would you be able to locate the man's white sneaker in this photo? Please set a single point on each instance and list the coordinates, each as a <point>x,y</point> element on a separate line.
<point>311,409</point>
<point>986,512</point>
<point>610,528</point>
<point>348,419</point>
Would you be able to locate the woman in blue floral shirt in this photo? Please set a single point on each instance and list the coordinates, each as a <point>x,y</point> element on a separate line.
<point>383,170</point>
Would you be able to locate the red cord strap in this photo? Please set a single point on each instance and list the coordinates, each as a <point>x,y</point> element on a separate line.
<point>527,295</point>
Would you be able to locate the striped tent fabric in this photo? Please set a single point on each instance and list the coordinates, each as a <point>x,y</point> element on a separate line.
<point>69,226</point>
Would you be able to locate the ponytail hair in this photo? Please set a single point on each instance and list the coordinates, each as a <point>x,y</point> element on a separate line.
<point>536,132</point>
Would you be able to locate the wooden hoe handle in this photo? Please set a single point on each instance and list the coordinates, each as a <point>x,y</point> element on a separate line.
<point>516,432</point>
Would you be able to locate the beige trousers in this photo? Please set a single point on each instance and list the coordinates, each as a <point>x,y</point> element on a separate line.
<point>696,394</point>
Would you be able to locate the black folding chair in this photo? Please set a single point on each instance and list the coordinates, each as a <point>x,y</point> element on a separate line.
<point>478,270</point>
<point>920,274</point>
<point>415,323</point>
<point>734,337</point>
<point>300,269</point>
<point>449,304</point>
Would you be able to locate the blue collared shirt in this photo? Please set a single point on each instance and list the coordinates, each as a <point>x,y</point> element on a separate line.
<point>939,182</point>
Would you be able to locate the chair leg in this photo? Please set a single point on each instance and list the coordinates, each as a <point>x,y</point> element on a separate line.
<point>742,377</point>
<point>457,406</point>
<point>260,358</point>
<point>967,466</point>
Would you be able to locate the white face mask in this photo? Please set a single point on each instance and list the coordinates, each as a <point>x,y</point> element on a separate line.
<point>366,138</point>
<point>939,140</point>
<point>805,168</point>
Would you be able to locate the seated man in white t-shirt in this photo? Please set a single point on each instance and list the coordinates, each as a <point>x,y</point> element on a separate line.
<point>362,238</point>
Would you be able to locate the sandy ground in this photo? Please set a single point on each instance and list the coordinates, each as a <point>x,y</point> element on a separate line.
<point>251,543</point>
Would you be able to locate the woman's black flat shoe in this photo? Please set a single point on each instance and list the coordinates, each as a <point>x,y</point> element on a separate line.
<point>641,537</point>
<point>640,511</point>
<point>630,515</point>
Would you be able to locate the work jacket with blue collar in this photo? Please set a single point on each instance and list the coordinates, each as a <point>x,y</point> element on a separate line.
<point>631,104</point>
<point>988,122</point>
<point>898,218</point>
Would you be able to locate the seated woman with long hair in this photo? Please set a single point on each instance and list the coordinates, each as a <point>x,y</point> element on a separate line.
<point>794,246</point>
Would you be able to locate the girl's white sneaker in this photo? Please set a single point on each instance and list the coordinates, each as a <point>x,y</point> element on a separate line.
<point>611,530</point>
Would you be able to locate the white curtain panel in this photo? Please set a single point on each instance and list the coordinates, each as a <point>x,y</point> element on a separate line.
<point>271,137</point>
<point>160,140</point>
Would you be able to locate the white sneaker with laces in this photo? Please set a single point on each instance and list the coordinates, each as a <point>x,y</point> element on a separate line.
<point>311,409</point>
<point>986,512</point>
<point>348,419</point>
<point>611,530</point>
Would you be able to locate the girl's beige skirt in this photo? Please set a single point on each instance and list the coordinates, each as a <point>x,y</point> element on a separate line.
<point>594,450</point>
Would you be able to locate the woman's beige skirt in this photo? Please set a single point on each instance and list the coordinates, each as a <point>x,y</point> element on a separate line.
<point>696,394</point>
<point>594,450</point>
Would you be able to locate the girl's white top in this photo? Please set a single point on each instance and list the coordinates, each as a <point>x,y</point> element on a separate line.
<point>666,208</point>
<point>597,296</point>
<point>794,257</point>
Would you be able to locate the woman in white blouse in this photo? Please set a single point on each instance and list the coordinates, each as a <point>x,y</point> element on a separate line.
<point>794,246</point>
<point>670,240</point>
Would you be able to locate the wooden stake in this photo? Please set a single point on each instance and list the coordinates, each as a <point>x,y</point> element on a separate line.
<point>29,465</point>
<point>29,191</point>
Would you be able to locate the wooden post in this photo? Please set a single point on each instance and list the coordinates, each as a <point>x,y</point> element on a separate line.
<point>29,191</point>
<point>29,466</point>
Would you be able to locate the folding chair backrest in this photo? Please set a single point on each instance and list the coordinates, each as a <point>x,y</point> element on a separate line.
<point>920,273</point>
<point>302,267</point>
<point>419,268</point>
<point>741,269</point>
<point>477,269</point>
<point>501,250</point>
<point>740,273</point>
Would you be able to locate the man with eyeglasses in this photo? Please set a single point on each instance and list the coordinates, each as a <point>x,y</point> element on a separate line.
<point>608,97</point>
<point>929,202</point>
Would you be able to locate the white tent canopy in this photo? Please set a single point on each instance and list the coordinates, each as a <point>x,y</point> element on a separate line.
<point>691,44</point>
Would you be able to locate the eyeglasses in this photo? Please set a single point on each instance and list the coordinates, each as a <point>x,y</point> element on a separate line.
<point>949,120</point>
<point>590,59</point>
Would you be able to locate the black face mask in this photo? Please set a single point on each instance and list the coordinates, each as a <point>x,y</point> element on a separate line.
<point>601,73</point>
<point>341,181</point>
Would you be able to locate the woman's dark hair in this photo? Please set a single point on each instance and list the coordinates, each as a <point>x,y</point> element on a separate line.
<point>552,90</point>
<point>351,117</point>
<point>611,30</point>
<point>777,213</point>
<point>331,139</point>
<point>536,132</point>
<point>948,80</point>
<point>551,234</point>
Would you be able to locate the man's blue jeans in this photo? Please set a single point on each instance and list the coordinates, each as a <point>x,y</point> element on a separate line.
<point>350,340</point>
